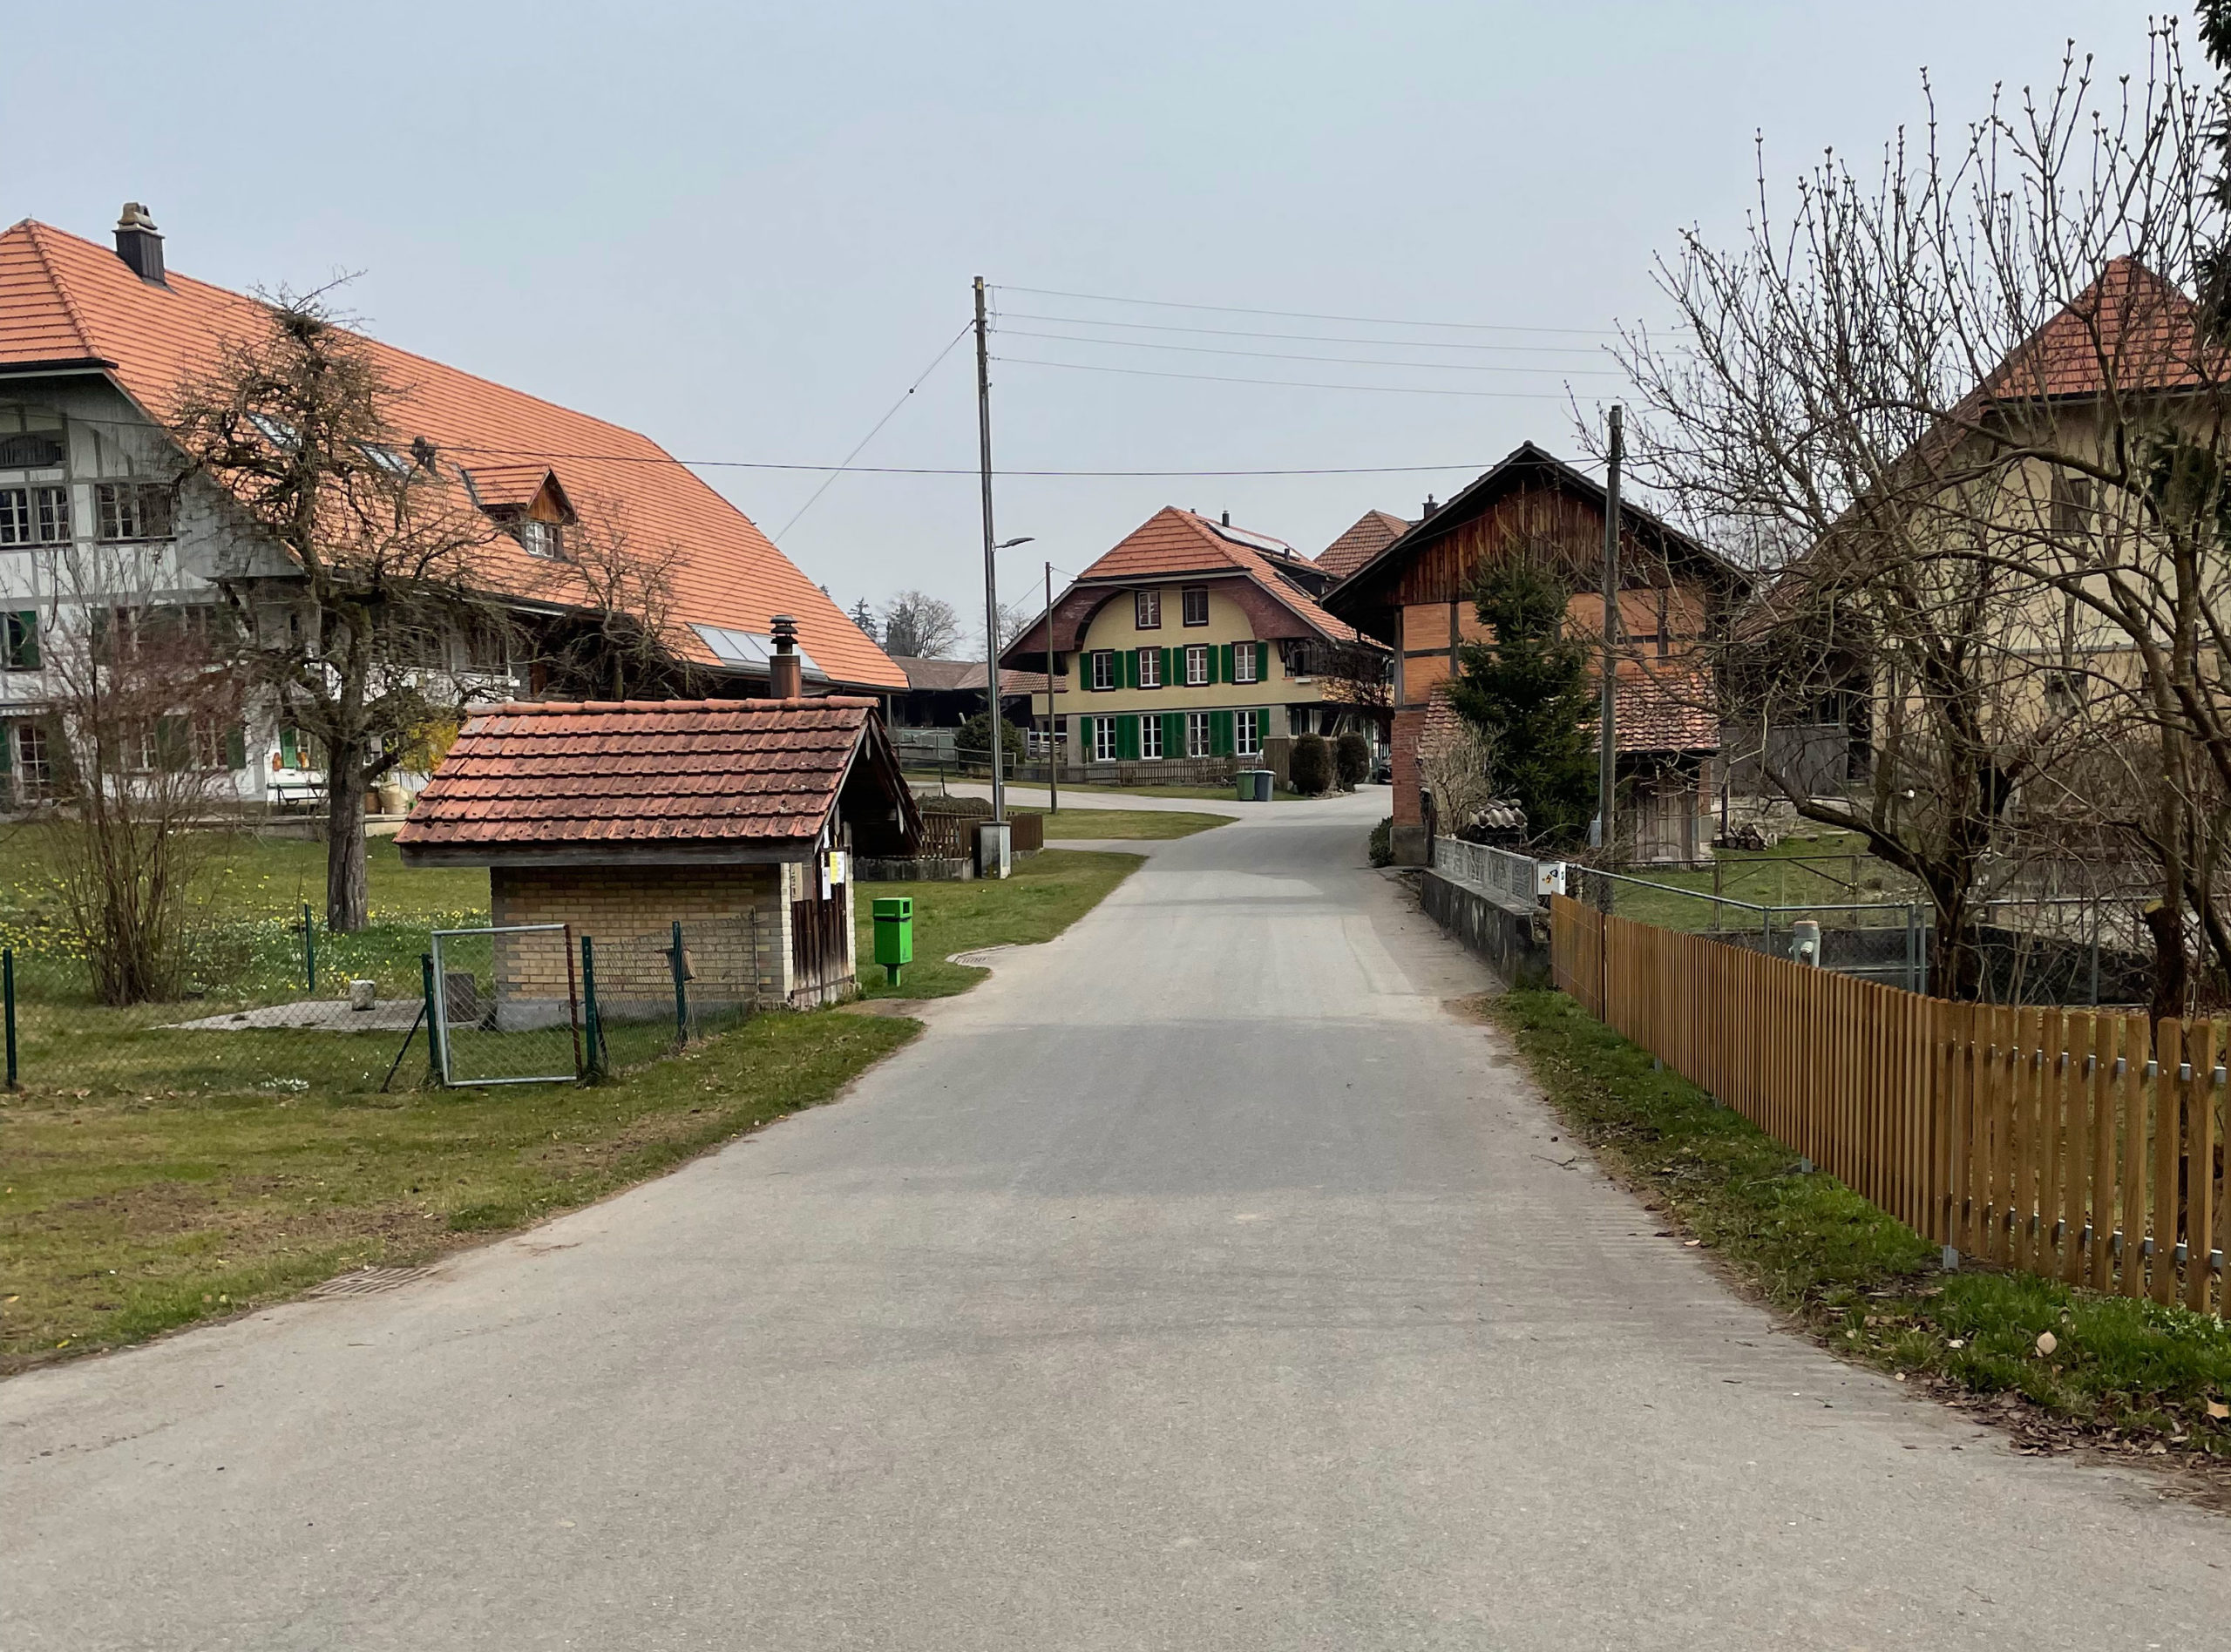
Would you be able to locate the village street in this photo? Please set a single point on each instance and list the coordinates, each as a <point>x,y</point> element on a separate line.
<point>1202,1280</point>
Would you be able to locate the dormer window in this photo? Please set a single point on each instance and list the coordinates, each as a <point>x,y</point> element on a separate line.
<point>540,538</point>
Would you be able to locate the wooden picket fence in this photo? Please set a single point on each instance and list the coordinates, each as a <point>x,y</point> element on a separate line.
<point>2079,1145</point>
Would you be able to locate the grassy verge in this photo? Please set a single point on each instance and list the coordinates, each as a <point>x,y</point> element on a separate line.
<point>1049,892</point>
<point>119,1220</point>
<point>2129,1376</point>
<point>1125,822</point>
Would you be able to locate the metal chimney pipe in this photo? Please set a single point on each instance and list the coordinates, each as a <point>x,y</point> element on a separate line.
<point>785,671</point>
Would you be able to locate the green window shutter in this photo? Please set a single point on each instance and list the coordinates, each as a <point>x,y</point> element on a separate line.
<point>236,748</point>
<point>1220,734</point>
<point>23,640</point>
<point>1227,675</point>
<point>291,748</point>
<point>171,743</point>
<point>1262,662</point>
<point>1173,667</point>
<point>1173,734</point>
<point>7,752</point>
<point>1130,679</point>
<point>1127,738</point>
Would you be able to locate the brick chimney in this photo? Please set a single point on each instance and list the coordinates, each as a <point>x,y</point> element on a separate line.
<point>140,244</point>
<point>785,673</point>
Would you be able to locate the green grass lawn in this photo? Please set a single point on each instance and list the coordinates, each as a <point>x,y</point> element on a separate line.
<point>150,1178</point>
<point>2120,1372</point>
<point>1125,822</point>
<point>1049,892</point>
<point>1831,868</point>
<point>121,1219</point>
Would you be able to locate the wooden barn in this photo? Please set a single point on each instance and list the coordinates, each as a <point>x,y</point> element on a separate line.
<point>1415,595</point>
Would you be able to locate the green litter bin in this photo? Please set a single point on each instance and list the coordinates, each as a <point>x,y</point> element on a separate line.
<point>894,934</point>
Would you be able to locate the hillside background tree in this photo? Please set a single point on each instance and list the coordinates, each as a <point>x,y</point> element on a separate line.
<point>917,626</point>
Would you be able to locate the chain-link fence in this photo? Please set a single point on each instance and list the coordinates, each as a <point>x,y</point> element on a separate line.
<point>274,1009</point>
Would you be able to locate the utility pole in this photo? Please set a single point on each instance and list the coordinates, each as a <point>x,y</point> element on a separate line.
<point>1607,814</point>
<point>1052,722</point>
<point>991,555</point>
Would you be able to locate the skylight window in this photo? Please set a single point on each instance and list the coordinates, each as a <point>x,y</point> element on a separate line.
<point>275,430</point>
<point>396,464</point>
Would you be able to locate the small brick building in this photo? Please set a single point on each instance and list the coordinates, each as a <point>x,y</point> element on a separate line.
<point>739,819</point>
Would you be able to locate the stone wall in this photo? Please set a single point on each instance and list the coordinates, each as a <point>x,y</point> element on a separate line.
<point>1514,937</point>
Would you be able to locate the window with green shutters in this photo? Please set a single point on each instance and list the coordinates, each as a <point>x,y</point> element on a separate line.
<point>1247,661</point>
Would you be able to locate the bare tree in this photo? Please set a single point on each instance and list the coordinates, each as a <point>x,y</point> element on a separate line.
<point>1014,618</point>
<point>919,626</point>
<point>1965,413</point>
<point>622,640</point>
<point>1460,774</point>
<point>141,733</point>
<point>294,424</point>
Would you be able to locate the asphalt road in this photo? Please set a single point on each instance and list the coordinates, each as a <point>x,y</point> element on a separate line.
<point>1199,1282</point>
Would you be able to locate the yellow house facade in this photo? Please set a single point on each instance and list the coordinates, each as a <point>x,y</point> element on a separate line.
<point>1194,640</point>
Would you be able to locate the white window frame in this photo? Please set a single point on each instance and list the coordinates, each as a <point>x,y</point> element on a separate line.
<point>1103,740</point>
<point>1243,662</point>
<point>1200,735</point>
<point>34,516</point>
<point>125,511</point>
<point>1197,665</point>
<point>1103,664</point>
<point>1149,668</point>
<point>1150,738</point>
<point>1185,598</point>
<point>1247,734</point>
<point>541,539</point>
<point>1146,609</point>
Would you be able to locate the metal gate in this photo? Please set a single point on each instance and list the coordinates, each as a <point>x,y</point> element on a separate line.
<point>504,1006</point>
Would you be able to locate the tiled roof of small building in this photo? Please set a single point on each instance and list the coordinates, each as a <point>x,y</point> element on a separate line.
<point>951,676</point>
<point>1666,712</point>
<point>640,773</point>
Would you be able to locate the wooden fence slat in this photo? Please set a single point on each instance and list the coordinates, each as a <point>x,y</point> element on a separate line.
<point>2161,1214</point>
<point>2199,1168</point>
<point>2138,1053</point>
<point>2052,1093</point>
<point>2106,1047</point>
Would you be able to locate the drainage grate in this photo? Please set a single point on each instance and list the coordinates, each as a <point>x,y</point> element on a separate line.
<point>366,1281</point>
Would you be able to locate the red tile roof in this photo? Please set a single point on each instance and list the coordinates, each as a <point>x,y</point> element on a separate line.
<point>930,675</point>
<point>640,773</point>
<point>2129,330</point>
<point>1371,533</point>
<point>1172,543</point>
<point>66,299</point>
<point>1668,710</point>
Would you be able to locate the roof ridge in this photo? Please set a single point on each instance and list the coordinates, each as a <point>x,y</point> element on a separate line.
<point>33,229</point>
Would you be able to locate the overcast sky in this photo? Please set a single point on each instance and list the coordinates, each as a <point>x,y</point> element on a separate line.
<point>745,229</point>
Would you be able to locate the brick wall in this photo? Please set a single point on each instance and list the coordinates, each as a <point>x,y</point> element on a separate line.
<point>734,922</point>
<point>1408,725</point>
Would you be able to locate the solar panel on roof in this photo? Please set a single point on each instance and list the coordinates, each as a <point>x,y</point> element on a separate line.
<point>752,649</point>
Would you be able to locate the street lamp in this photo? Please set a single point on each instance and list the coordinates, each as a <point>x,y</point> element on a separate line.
<point>992,656</point>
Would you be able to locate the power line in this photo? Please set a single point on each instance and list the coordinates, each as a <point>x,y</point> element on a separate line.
<point>1311,315</point>
<point>784,532</point>
<point>1305,338</point>
<point>1288,355</point>
<point>925,469</point>
<point>1287,384</point>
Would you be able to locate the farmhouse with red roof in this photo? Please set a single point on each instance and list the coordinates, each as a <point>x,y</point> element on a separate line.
<point>1194,640</point>
<point>96,344</point>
